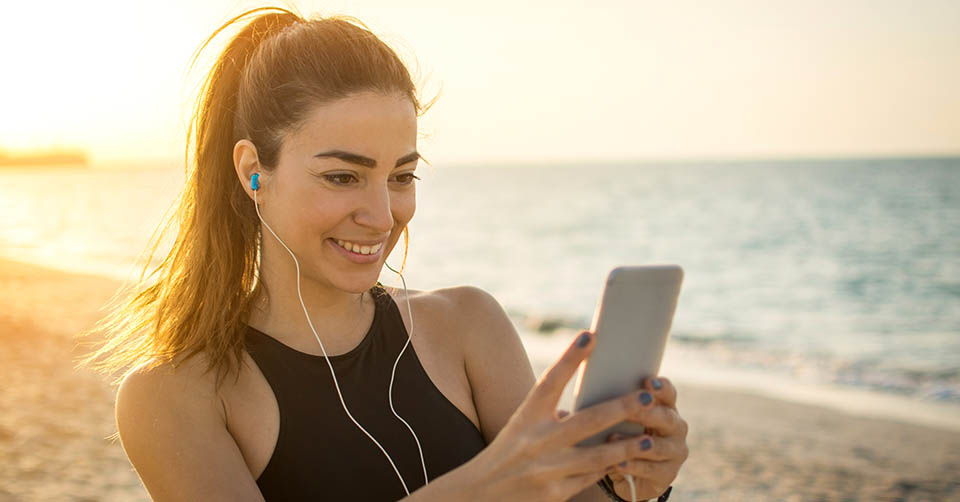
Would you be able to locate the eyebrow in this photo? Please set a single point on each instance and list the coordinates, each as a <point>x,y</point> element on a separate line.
<point>354,158</point>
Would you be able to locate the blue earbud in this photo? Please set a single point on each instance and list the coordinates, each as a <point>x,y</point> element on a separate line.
<point>255,181</point>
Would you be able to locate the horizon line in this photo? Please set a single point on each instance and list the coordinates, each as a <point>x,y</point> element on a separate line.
<point>117,162</point>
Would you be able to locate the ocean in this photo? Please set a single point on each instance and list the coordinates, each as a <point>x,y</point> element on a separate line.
<point>843,274</point>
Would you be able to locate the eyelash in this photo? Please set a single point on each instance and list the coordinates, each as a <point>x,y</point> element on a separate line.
<point>333,177</point>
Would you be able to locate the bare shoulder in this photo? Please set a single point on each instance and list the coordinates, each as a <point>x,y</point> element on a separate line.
<point>185,380</point>
<point>172,427</point>
<point>472,303</point>
<point>461,311</point>
<point>495,361</point>
<point>436,297</point>
<point>482,319</point>
<point>185,386</point>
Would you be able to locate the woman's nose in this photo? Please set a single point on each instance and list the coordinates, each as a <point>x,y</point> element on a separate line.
<point>374,209</point>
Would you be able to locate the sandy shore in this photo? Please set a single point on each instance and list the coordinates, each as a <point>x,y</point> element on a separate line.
<point>54,423</point>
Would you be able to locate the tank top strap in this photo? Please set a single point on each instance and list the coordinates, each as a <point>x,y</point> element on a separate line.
<point>392,322</point>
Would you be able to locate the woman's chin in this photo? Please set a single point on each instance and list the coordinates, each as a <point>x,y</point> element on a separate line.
<point>358,284</point>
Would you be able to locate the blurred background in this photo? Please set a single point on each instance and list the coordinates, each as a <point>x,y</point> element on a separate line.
<point>800,160</point>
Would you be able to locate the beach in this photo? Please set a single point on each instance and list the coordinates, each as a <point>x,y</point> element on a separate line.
<point>56,422</point>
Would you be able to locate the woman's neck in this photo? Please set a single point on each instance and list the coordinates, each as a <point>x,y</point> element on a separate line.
<point>340,320</point>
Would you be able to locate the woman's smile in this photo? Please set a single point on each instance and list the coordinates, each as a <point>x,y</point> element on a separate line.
<point>372,255</point>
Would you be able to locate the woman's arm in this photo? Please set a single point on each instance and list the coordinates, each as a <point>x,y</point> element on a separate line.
<point>173,429</point>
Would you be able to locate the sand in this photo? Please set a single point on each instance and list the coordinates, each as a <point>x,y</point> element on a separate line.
<point>55,422</point>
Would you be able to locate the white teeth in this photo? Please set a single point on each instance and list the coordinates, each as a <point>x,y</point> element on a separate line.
<point>359,249</point>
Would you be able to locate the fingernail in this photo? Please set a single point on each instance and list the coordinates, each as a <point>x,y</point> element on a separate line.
<point>623,464</point>
<point>583,340</point>
<point>646,444</point>
<point>657,384</point>
<point>645,398</point>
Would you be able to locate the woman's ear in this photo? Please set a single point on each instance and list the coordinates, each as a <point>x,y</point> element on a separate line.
<point>246,163</point>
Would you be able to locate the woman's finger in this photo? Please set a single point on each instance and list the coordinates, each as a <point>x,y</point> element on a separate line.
<point>586,459</point>
<point>661,462</point>
<point>543,398</point>
<point>663,389</point>
<point>661,421</point>
<point>601,416</point>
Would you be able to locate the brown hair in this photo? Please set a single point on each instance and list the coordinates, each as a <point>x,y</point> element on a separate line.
<point>277,68</point>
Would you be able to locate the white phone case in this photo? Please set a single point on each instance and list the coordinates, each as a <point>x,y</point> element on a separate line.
<point>632,323</point>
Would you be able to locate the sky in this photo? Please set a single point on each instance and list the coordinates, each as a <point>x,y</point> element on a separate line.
<point>537,81</point>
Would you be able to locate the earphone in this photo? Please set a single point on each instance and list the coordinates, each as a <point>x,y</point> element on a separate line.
<point>255,186</point>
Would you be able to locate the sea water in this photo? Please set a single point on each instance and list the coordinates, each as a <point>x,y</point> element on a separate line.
<point>838,272</point>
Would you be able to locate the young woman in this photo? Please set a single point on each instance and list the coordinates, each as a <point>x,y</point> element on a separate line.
<point>266,362</point>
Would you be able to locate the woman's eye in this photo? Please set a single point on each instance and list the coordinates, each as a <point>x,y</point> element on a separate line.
<point>339,179</point>
<point>407,178</point>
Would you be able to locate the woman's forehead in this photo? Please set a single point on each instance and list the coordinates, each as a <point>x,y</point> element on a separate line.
<point>365,123</point>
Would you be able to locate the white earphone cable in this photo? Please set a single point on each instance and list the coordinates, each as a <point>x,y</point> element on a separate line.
<point>330,365</point>
<point>390,393</point>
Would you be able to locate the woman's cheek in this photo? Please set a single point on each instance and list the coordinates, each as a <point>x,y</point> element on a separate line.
<point>405,205</point>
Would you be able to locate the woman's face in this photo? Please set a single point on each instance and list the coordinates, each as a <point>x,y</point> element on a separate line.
<point>346,175</point>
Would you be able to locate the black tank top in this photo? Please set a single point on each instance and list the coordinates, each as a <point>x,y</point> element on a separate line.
<point>321,455</point>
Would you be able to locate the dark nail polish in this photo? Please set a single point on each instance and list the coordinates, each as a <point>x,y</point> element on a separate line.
<point>583,340</point>
<point>657,384</point>
<point>645,398</point>
<point>646,444</point>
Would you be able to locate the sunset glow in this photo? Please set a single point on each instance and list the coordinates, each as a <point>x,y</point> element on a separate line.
<point>551,81</point>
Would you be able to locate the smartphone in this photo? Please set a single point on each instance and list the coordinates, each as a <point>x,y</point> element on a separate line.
<point>632,322</point>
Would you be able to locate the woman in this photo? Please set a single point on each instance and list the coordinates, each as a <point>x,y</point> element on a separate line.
<point>262,365</point>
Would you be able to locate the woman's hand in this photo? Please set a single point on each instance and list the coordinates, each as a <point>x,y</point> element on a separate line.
<point>655,468</point>
<point>535,457</point>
